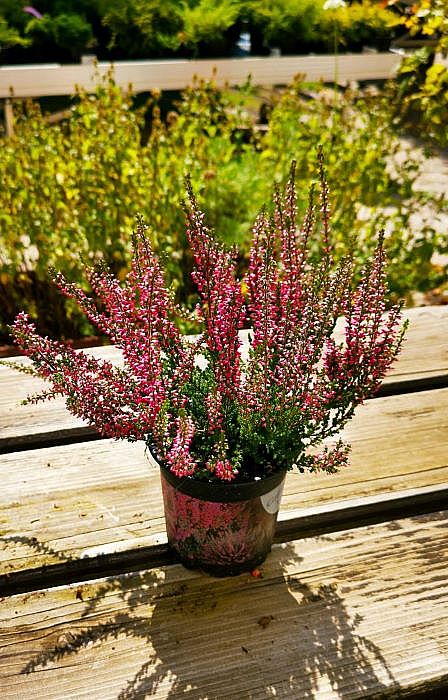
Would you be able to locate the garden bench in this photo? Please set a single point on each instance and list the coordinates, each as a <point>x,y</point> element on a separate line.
<point>351,603</point>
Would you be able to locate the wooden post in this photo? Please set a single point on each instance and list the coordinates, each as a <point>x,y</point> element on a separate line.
<point>9,117</point>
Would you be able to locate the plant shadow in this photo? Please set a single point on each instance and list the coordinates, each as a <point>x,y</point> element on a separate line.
<point>272,634</point>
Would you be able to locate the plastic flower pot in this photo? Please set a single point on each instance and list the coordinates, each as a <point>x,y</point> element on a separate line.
<point>221,529</point>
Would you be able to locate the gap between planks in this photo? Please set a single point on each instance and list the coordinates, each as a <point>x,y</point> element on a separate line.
<point>61,504</point>
<point>292,526</point>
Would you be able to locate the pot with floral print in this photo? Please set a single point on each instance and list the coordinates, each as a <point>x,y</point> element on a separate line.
<point>221,529</point>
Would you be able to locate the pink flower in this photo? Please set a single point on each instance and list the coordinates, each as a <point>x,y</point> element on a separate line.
<point>33,11</point>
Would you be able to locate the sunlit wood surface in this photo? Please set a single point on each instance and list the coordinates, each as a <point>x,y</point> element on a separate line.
<point>86,498</point>
<point>144,76</point>
<point>351,603</point>
<point>349,615</point>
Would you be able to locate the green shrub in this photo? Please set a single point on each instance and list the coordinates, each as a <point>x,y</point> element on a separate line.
<point>358,25</point>
<point>69,190</point>
<point>72,191</point>
<point>163,28</point>
<point>139,27</point>
<point>373,185</point>
<point>419,91</point>
<point>68,31</point>
<point>299,26</point>
<point>9,36</point>
<point>420,94</point>
<point>291,25</point>
<point>205,24</point>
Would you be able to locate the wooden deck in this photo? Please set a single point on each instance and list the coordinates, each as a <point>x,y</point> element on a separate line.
<point>351,603</point>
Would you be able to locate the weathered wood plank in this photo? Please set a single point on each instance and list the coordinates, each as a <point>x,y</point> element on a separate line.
<point>424,357</point>
<point>362,613</point>
<point>82,500</point>
<point>425,350</point>
<point>144,76</point>
<point>42,423</point>
<point>291,525</point>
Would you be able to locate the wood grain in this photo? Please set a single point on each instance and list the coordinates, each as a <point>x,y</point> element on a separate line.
<point>424,357</point>
<point>358,614</point>
<point>80,500</point>
<point>46,421</point>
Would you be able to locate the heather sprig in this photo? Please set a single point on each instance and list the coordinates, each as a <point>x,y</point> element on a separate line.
<point>210,407</point>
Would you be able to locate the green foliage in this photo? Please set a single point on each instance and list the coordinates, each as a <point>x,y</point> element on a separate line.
<point>10,36</point>
<point>208,20</point>
<point>372,187</point>
<point>202,137</point>
<point>297,26</point>
<point>420,93</point>
<point>358,25</point>
<point>148,26</point>
<point>292,25</point>
<point>13,14</point>
<point>161,28</point>
<point>12,25</point>
<point>427,19</point>
<point>73,32</point>
<point>420,89</point>
<point>69,190</point>
<point>73,190</point>
<point>152,28</point>
<point>68,31</point>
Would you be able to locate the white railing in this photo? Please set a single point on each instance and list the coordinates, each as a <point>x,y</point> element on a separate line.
<point>46,80</point>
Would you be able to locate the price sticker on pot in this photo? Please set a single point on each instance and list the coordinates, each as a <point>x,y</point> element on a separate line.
<point>271,500</point>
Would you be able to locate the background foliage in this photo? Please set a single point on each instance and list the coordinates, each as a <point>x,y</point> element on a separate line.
<point>122,29</point>
<point>420,91</point>
<point>72,190</point>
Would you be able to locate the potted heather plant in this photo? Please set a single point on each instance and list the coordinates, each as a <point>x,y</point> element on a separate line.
<point>226,419</point>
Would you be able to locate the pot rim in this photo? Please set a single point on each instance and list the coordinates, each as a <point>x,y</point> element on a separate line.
<point>223,492</point>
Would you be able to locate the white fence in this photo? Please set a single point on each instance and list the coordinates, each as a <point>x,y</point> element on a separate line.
<point>45,80</point>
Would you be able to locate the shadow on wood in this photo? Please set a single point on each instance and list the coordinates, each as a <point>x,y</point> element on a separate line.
<point>187,632</point>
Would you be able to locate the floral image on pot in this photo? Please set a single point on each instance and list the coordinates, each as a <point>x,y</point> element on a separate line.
<point>213,411</point>
<point>221,537</point>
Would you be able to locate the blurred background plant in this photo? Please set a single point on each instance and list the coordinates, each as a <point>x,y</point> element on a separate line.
<point>373,179</point>
<point>291,26</point>
<point>360,25</point>
<point>9,36</point>
<point>139,27</point>
<point>210,27</point>
<point>63,30</point>
<point>58,30</point>
<point>420,89</point>
<point>72,190</point>
<point>68,31</point>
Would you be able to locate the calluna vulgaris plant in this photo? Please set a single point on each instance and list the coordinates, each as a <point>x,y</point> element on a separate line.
<point>203,406</point>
